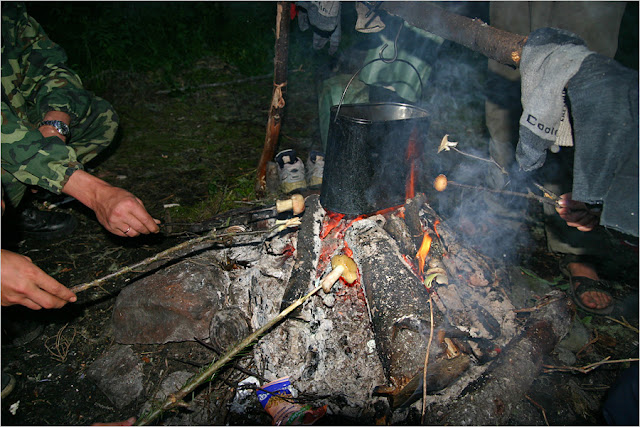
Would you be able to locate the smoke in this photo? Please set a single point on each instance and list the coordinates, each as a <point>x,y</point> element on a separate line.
<point>454,90</point>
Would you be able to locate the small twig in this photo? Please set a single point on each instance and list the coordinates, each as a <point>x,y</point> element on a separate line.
<point>60,349</point>
<point>546,301</point>
<point>426,364</point>
<point>596,338</point>
<point>585,369</point>
<point>537,405</point>
<point>624,323</point>
<point>532,196</point>
<point>446,145</point>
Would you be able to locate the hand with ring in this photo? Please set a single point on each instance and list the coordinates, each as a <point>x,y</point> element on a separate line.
<point>116,209</point>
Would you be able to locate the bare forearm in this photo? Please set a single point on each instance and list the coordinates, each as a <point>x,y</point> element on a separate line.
<point>85,188</point>
<point>117,210</point>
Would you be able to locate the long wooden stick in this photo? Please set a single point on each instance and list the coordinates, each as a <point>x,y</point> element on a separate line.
<point>502,46</point>
<point>176,399</point>
<point>276,110</point>
<point>532,196</point>
<point>172,253</point>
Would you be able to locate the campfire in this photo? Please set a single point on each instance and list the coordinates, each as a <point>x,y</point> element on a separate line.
<point>426,315</point>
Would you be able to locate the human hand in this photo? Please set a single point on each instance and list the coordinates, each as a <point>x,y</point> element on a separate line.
<point>24,283</point>
<point>123,214</point>
<point>577,214</point>
<point>118,210</point>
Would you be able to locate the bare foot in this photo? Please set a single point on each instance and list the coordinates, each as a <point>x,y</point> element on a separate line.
<point>592,299</point>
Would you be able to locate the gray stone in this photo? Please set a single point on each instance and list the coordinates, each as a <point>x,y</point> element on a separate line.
<point>577,337</point>
<point>118,374</point>
<point>173,305</point>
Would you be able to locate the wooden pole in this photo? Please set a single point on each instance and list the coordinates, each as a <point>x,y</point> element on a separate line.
<point>276,110</point>
<point>502,46</point>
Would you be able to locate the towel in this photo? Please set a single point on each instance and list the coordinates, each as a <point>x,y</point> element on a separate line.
<point>549,59</point>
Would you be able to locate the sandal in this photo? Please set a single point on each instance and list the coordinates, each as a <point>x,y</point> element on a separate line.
<point>580,285</point>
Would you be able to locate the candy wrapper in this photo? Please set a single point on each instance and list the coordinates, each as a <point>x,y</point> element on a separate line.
<point>284,412</point>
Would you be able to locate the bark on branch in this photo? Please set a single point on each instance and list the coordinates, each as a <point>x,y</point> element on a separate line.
<point>502,46</point>
<point>276,110</point>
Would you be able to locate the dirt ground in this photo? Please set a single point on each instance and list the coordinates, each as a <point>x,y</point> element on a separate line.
<point>172,149</point>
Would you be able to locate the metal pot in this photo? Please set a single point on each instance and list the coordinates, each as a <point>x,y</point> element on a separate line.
<point>366,166</point>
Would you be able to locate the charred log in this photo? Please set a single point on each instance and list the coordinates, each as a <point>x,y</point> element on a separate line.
<point>307,253</point>
<point>398,229</point>
<point>491,399</point>
<point>440,375</point>
<point>396,300</point>
<point>467,298</point>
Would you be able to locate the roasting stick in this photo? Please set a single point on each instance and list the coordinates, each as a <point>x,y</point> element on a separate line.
<point>176,251</point>
<point>340,269</point>
<point>441,182</point>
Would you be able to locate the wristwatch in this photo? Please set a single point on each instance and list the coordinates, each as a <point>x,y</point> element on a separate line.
<point>61,127</point>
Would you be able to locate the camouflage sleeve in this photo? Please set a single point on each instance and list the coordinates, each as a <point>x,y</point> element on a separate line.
<point>33,159</point>
<point>46,82</point>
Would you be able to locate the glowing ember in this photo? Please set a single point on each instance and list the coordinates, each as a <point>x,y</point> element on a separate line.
<point>334,220</point>
<point>347,250</point>
<point>423,251</point>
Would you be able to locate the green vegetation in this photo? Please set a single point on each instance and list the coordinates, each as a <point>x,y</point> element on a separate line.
<point>147,36</point>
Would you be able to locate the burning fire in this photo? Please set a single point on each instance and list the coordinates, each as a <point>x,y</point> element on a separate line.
<point>412,154</point>
<point>423,251</point>
<point>334,220</point>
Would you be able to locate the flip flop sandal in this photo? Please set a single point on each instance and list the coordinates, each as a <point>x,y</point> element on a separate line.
<point>587,285</point>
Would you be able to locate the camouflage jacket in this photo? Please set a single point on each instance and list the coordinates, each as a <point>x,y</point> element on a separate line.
<point>36,80</point>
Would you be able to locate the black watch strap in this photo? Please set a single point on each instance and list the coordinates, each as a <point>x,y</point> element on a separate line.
<point>61,127</point>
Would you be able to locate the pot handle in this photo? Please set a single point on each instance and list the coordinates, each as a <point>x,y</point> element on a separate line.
<point>386,61</point>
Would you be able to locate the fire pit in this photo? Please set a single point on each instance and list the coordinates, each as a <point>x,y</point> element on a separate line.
<point>426,311</point>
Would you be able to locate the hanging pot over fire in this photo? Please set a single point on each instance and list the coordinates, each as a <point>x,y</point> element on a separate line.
<point>367,162</point>
<point>370,150</point>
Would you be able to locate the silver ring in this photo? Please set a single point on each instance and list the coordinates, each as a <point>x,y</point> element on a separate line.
<point>128,229</point>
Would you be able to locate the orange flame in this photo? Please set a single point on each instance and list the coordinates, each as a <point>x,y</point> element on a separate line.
<point>410,189</point>
<point>412,153</point>
<point>435,229</point>
<point>423,251</point>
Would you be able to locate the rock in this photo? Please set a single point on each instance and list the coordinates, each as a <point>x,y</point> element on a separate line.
<point>175,304</point>
<point>118,374</point>
<point>577,337</point>
<point>228,327</point>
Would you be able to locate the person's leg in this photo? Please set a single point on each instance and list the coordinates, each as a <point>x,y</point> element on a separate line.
<point>598,23</point>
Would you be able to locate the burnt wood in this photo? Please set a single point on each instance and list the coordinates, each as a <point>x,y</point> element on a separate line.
<point>307,253</point>
<point>510,376</point>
